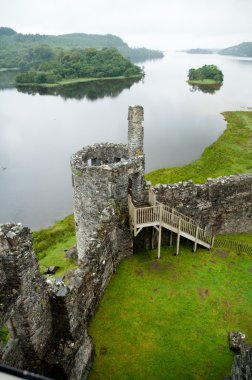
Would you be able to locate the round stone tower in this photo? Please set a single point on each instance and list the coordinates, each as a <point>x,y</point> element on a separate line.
<point>102,176</point>
<point>100,180</point>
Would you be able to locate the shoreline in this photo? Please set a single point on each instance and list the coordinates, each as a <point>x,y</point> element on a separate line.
<point>204,82</point>
<point>230,154</point>
<point>74,81</point>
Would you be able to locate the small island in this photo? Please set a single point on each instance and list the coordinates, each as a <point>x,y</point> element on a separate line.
<point>46,67</point>
<point>205,75</point>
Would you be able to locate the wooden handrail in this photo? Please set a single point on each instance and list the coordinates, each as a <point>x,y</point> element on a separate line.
<point>162,215</point>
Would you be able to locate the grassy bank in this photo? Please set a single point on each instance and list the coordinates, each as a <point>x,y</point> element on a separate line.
<point>50,243</point>
<point>230,154</point>
<point>169,319</point>
<point>204,81</point>
<point>74,81</point>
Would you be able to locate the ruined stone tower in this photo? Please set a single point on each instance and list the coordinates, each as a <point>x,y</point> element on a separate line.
<point>102,177</point>
<point>135,148</point>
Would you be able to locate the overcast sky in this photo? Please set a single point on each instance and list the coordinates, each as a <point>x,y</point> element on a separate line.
<point>158,24</point>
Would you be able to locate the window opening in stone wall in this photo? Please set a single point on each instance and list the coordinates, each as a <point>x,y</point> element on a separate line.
<point>94,161</point>
<point>117,159</point>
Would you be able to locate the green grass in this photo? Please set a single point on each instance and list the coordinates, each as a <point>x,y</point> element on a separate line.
<point>49,245</point>
<point>74,81</point>
<point>203,81</point>
<point>4,335</point>
<point>230,154</point>
<point>169,319</point>
<point>245,238</point>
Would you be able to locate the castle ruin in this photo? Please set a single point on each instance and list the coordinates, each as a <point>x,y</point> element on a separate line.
<point>45,320</point>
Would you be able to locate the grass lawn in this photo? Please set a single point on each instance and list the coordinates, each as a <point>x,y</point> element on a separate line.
<point>168,319</point>
<point>230,154</point>
<point>50,243</point>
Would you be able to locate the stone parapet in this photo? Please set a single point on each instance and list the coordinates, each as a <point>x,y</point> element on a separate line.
<point>223,205</point>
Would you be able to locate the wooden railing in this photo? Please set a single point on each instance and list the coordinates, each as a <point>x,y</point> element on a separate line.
<point>146,215</point>
<point>164,216</point>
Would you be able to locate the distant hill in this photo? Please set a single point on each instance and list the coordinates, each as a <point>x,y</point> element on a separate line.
<point>15,46</point>
<point>199,51</point>
<point>242,50</point>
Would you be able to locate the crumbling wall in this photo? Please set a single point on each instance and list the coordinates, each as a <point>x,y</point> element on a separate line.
<point>24,302</point>
<point>49,321</point>
<point>136,150</point>
<point>242,364</point>
<point>223,205</point>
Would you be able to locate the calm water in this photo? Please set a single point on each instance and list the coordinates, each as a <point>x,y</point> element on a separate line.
<point>38,133</point>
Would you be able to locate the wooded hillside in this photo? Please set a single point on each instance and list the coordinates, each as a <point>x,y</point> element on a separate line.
<point>15,46</point>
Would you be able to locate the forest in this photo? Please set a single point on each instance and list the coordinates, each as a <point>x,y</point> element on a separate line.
<point>43,64</point>
<point>14,47</point>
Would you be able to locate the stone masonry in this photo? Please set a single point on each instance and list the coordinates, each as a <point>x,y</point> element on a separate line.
<point>24,301</point>
<point>103,174</point>
<point>223,205</point>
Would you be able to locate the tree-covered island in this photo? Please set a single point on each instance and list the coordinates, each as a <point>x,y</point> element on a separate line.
<point>46,66</point>
<point>50,60</point>
<point>207,74</point>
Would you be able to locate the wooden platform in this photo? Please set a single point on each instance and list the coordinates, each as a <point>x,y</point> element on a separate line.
<point>159,215</point>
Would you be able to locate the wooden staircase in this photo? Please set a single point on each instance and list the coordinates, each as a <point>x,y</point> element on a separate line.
<point>159,215</point>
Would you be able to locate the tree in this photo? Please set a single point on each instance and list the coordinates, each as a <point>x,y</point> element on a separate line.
<point>206,72</point>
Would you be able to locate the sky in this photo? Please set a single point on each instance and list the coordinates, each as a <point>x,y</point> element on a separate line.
<point>157,24</point>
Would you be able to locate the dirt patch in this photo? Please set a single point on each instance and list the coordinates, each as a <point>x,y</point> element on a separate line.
<point>222,253</point>
<point>203,293</point>
<point>231,264</point>
<point>103,350</point>
<point>174,276</point>
<point>156,266</point>
<point>199,331</point>
<point>227,307</point>
<point>139,272</point>
<point>222,348</point>
<point>156,290</point>
<point>250,270</point>
<point>169,265</point>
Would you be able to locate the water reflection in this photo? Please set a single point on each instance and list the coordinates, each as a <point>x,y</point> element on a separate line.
<point>38,133</point>
<point>7,78</point>
<point>89,90</point>
<point>206,88</point>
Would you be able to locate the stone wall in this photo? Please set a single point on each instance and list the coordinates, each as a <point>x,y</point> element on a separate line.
<point>136,149</point>
<point>242,365</point>
<point>45,319</point>
<point>223,205</point>
<point>24,301</point>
